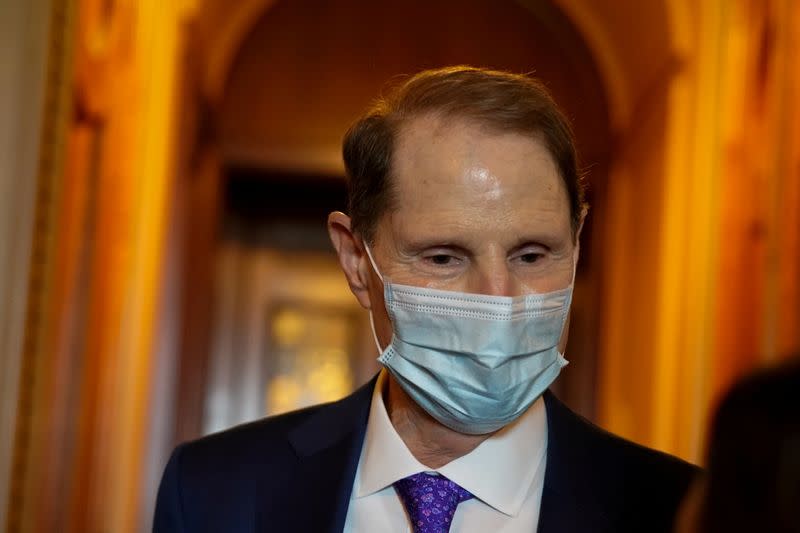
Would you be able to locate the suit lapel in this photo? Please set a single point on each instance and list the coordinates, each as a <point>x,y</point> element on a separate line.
<point>328,447</point>
<point>568,504</point>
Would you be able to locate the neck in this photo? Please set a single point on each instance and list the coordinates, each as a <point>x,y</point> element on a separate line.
<point>430,442</point>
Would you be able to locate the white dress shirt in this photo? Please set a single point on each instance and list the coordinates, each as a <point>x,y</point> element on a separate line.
<point>505,473</point>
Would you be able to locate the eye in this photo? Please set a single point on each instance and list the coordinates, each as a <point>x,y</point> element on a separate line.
<point>531,257</point>
<point>529,254</point>
<point>442,259</point>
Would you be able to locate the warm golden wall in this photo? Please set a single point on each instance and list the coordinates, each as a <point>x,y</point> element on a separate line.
<point>84,423</point>
<point>758,304</point>
<point>700,268</point>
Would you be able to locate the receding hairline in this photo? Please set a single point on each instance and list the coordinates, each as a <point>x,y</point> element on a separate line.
<point>496,102</point>
<point>442,127</point>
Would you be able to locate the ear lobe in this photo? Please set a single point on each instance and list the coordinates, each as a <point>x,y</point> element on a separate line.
<point>349,249</point>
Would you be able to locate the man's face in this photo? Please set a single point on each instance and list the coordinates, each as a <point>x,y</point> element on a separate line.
<point>476,212</point>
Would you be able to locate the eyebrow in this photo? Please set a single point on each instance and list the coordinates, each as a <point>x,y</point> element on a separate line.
<point>523,242</point>
<point>422,243</point>
<point>425,242</point>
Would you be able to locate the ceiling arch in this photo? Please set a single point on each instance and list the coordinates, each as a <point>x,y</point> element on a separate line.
<point>636,44</point>
<point>221,26</point>
<point>307,69</point>
<point>629,40</point>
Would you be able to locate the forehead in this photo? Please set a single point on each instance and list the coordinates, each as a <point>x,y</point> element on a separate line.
<point>446,170</point>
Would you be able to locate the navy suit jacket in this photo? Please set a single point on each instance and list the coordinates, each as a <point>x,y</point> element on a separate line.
<point>295,472</point>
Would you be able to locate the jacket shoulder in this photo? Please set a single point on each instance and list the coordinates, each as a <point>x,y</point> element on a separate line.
<point>237,444</point>
<point>648,486</point>
<point>210,481</point>
<point>219,482</point>
<point>635,458</point>
<point>633,487</point>
<point>592,445</point>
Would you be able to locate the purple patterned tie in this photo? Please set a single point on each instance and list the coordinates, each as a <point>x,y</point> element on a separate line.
<point>431,501</point>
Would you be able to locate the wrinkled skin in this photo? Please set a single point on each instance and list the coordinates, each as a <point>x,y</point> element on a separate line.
<point>474,211</point>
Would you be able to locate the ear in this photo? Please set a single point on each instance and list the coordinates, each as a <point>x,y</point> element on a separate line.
<point>584,212</point>
<point>351,253</point>
<point>562,343</point>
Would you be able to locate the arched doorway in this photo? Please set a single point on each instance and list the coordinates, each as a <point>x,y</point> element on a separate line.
<point>304,71</point>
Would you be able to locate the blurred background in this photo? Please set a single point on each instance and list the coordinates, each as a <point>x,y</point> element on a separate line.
<point>166,167</point>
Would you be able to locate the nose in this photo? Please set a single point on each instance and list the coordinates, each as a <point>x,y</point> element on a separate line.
<point>495,280</point>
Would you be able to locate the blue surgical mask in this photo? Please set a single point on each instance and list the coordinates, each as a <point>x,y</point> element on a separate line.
<point>474,362</point>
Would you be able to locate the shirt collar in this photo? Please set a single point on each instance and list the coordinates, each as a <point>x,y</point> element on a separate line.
<point>498,472</point>
<point>385,457</point>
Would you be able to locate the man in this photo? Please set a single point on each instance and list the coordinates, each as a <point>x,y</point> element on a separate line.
<point>466,207</point>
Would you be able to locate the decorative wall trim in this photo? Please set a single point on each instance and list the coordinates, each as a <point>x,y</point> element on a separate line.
<point>56,109</point>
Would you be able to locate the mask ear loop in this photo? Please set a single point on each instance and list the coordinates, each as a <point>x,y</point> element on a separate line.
<point>374,335</point>
<point>371,319</point>
<point>372,262</point>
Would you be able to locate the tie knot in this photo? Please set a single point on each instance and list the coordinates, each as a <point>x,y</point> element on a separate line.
<point>431,501</point>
